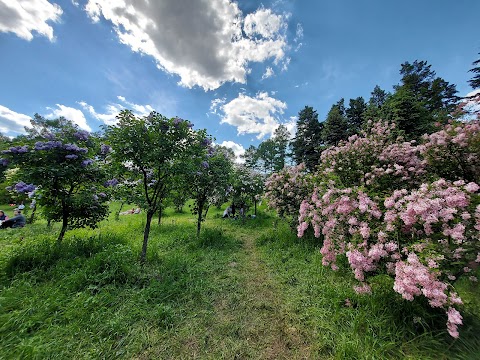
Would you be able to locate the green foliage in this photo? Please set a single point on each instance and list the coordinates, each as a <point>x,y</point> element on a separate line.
<point>150,151</point>
<point>271,155</point>
<point>307,144</point>
<point>355,115</point>
<point>421,100</point>
<point>58,158</point>
<point>336,127</point>
<point>208,180</point>
<point>475,80</point>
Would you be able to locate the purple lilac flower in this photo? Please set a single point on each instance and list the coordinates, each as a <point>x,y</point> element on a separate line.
<point>39,145</point>
<point>95,197</point>
<point>82,135</point>
<point>105,149</point>
<point>206,142</point>
<point>21,187</point>
<point>3,162</point>
<point>17,150</point>
<point>205,165</point>
<point>112,182</point>
<point>177,121</point>
<point>71,157</point>
<point>49,145</point>
<point>49,136</point>
<point>189,124</point>
<point>71,147</point>
<point>102,194</point>
<point>87,162</point>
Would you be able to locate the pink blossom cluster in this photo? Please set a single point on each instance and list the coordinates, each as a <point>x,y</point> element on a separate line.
<point>286,190</point>
<point>424,238</point>
<point>453,152</point>
<point>375,202</point>
<point>376,158</point>
<point>399,164</point>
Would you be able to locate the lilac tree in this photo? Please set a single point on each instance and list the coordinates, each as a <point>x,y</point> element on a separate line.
<point>151,150</point>
<point>209,175</point>
<point>59,158</point>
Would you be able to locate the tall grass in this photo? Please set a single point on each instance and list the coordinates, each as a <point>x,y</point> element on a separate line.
<point>243,289</point>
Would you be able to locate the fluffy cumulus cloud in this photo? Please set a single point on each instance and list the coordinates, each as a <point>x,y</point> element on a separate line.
<point>112,110</point>
<point>69,113</point>
<point>205,42</point>
<point>12,122</point>
<point>238,149</point>
<point>251,115</point>
<point>24,17</point>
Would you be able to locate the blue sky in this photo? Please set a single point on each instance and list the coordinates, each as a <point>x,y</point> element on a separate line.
<point>238,69</point>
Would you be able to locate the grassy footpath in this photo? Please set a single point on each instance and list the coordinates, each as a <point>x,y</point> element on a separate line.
<point>244,290</point>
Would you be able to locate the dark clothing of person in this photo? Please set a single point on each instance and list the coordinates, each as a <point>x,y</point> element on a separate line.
<point>3,217</point>
<point>15,222</point>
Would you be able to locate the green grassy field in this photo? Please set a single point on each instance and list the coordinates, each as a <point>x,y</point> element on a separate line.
<point>243,290</point>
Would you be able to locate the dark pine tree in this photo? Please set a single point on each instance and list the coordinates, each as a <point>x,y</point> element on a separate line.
<point>335,127</point>
<point>307,144</point>
<point>355,115</point>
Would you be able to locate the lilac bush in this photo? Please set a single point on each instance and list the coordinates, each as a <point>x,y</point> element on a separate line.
<point>60,159</point>
<point>286,190</point>
<point>381,203</point>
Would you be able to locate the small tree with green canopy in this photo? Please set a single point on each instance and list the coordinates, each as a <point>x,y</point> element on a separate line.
<point>209,178</point>
<point>152,149</point>
<point>247,186</point>
<point>58,158</point>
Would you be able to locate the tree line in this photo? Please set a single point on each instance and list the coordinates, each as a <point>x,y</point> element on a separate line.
<point>418,104</point>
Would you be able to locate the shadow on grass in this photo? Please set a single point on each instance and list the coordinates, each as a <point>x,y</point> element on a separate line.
<point>46,252</point>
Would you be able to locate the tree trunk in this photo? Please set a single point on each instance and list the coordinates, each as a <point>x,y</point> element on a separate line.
<point>32,217</point>
<point>64,227</point>
<point>160,213</point>
<point>117,215</point>
<point>199,219</point>
<point>255,204</point>
<point>146,233</point>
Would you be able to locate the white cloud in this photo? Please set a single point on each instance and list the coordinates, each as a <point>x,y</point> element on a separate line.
<point>113,109</point>
<point>69,113</point>
<point>268,73</point>
<point>23,17</point>
<point>473,93</point>
<point>253,115</point>
<point>12,122</point>
<point>205,42</point>
<point>238,149</point>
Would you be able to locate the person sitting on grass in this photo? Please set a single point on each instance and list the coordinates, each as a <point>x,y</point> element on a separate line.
<point>15,222</point>
<point>3,217</point>
<point>227,212</point>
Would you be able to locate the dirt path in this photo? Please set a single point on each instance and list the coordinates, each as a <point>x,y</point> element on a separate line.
<point>258,310</point>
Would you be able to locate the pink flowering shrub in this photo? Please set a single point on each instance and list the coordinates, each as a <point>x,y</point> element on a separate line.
<point>286,190</point>
<point>425,238</point>
<point>454,152</point>
<point>382,204</point>
<point>377,158</point>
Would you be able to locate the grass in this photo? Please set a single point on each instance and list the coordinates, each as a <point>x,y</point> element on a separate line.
<point>244,289</point>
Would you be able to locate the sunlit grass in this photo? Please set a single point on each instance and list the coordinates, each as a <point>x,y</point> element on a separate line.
<point>245,289</point>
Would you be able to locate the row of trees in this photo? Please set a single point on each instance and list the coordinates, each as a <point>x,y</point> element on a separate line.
<point>150,161</point>
<point>418,103</point>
